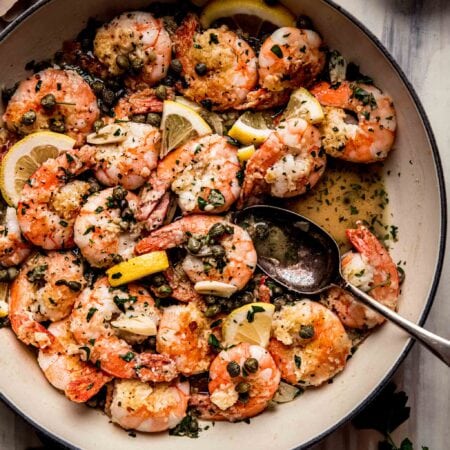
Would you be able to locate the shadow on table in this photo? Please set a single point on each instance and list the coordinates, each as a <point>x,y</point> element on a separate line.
<point>418,8</point>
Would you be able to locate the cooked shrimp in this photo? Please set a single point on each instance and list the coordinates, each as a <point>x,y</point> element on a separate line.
<point>59,100</point>
<point>289,163</point>
<point>218,66</point>
<point>372,270</point>
<point>243,380</point>
<point>183,335</point>
<point>140,102</point>
<point>202,173</point>
<point>139,406</point>
<point>290,58</point>
<point>138,40</point>
<point>105,230</point>
<point>368,140</point>
<point>130,161</point>
<point>13,248</point>
<point>50,202</point>
<point>45,289</point>
<point>99,321</point>
<point>64,369</point>
<point>310,345</point>
<point>233,261</point>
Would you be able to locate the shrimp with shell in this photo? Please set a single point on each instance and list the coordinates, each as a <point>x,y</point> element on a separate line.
<point>53,99</point>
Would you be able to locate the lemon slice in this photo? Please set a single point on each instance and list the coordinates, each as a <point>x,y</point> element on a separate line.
<point>304,105</point>
<point>138,267</point>
<point>245,153</point>
<point>179,124</point>
<point>25,157</point>
<point>184,101</point>
<point>249,15</point>
<point>250,128</point>
<point>250,323</point>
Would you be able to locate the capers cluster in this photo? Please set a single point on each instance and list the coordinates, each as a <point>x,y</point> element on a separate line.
<point>161,288</point>
<point>133,63</point>
<point>118,200</point>
<point>8,274</point>
<point>107,92</point>
<point>216,305</point>
<point>250,366</point>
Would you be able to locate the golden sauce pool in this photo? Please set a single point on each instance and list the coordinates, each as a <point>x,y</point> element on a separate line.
<point>347,193</point>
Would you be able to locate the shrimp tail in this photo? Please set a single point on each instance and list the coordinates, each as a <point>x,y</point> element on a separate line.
<point>185,33</point>
<point>206,409</point>
<point>156,368</point>
<point>82,388</point>
<point>157,216</point>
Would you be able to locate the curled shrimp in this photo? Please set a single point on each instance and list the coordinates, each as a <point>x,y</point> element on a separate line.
<point>50,202</point>
<point>219,67</point>
<point>138,40</point>
<point>202,173</point>
<point>105,230</point>
<point>59,100</point>
<point>63,368</point>
<point>13,248</point>
<point>290,58</point>
<point>129,161</point>
<point>366,139</point>
<point>372,270</point>
<point>243,394</point>
<point>45,289</point>
<point>309,343</point>
<point>235,259</point>
<point>99,323</point>
<point>183,335</point>
<point>289,163</point>
<point>140,406</point>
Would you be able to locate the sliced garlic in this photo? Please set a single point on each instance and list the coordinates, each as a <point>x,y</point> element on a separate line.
<point>109,134</point>
<point>215,288</point>
<point>141,325</point>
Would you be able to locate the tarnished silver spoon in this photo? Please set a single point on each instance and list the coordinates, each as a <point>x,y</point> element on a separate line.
<point>305,259</point>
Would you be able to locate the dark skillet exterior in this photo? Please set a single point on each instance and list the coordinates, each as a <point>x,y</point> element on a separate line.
<point>60,444</point>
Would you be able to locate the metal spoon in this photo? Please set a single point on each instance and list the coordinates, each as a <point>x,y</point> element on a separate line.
<point>305,259</point>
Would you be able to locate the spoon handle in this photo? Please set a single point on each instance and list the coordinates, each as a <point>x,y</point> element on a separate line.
<point>436,344</point>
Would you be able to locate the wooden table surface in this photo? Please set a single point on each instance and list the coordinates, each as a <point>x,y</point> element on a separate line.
<point>417,32</point>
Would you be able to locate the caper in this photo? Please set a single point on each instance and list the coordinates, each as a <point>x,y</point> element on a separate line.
<point>212,310</point>
<point>158,280</point>
<point>127,214</point>
<point>98,124</point>
<point>217,251</point>
<point>57,125</point>
<point>152,342</point>
<point>242,387</point>
<point>193,424</point>
<point>119,193</point>
<point>251,365</point>
<point>12,273</point>
<point>94,185</point>
<point>116,259</point>
<point>277,290</point>
<point>108,97</point>
<point>217,230</point>
<point>164,290</point>
<point>194,245</point>
<point>210,299</point>
<point>246,297</point>
<point>153,119</point>
<point>161,92</point>
<point>48,102</point>
<point>74,286</point>
<point>201,69</point>
<point>123,204</point>
<point>136,62</point>
<point>97,86</point>
<point>234,369</point>
<point>306,331</point>
<point>139,118</point>
<point>122,62</point>
<point>261,231</point>
<point>4,276</point>
<point>244,397</point>
<point>305,23</point>
<point>28,118</point>
<point>176,65</point>
<point>169,81</point>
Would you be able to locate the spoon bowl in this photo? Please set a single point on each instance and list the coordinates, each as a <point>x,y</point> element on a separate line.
<point>304,258</point>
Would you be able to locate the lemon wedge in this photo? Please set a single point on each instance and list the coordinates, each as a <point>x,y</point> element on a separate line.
<point>138,267</point>
<point>184,101</point>
<point>247,14</point>
<point>25,157</point>
<point>250,128</point>
<point>245,153</point>
<point>179,124</point>
<point>302,104</point>
<point>250,323</point>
